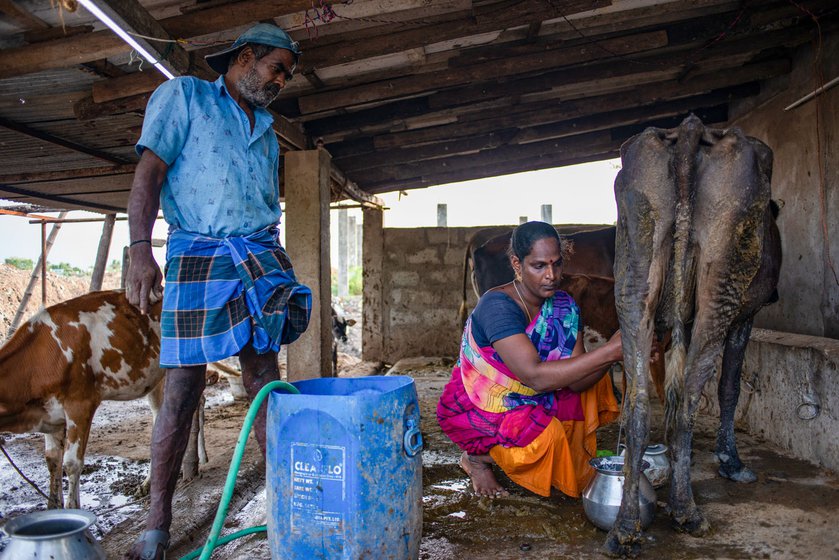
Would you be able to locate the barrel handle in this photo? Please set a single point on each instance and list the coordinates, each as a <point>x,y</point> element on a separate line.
<point>412,447</point>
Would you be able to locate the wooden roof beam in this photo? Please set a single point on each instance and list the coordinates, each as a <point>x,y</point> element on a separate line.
<point>577,145</point>
<point>511,66</point>
<point>46,137</point>
<point>525,134</point>
<point>553,110</point>
<point>399,115</point>
<point>64,201</point>
<point>51,176</point>
<point>492,170</point>
<point>486,17</point>
<point>21,17</point>
<point>78,49</point>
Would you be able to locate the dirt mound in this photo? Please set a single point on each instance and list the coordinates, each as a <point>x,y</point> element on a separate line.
<point>13,282</point>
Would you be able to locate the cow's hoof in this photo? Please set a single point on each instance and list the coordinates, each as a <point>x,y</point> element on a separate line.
<point>620,544</point>
<point>743,474</point>
<point>694,524</point>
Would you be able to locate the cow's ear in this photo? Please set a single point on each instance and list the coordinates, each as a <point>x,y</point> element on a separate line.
<point>350,322</point>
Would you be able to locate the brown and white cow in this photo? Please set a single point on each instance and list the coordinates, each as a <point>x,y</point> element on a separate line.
<point>698,253</point>
<point>61,364</point>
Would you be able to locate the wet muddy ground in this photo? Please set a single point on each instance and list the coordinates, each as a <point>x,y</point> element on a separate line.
<point>790,512</point>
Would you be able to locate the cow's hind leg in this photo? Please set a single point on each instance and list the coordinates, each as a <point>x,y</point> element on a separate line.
<point>731,466</point>
<point>645,218</point>
<point>683,510</point>
<point>731,197</point>
<point>54,453</point>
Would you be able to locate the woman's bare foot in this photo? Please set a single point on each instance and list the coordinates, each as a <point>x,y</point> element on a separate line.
<point>479,471</point>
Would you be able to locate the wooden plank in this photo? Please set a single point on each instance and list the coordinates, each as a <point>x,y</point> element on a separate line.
<point>706,106</point>
<point>66,52</point>
<point>372,42</point>
<point>46,137</point>
<point>67,202</point>
<point>492,170</point>
<point>535,61</point>
<point>555,110</point>
<point>126,86</point>
<point>49,176</point>
<point>60,53</point>
<point>565,147</point>
<point>87,109</point>
<point>485,77</point>
<point>21,17</point>
<point>52,33</point>
<point>291,132</point>
<point>440,150</point>
<point>230,15</point>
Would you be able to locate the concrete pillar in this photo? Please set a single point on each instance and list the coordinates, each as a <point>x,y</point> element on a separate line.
<point>547,213</point>
<point>307,242</point>
<point>359,242</point>
<point>522,219</point>
<point>352,238</point>
<point>442,215</point>
<point>372,318</point>
<point>343,282</point>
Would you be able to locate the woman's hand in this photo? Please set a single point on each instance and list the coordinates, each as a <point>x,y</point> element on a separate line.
<point>614,347</point>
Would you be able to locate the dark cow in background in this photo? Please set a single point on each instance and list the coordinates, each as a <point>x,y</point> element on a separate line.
<point>340,323</point>
<point>698,253</point>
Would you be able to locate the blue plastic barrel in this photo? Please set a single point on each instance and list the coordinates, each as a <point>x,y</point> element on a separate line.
<point>344,470</point>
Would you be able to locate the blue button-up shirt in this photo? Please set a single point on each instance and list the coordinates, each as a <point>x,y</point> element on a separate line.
<point>222,179</point>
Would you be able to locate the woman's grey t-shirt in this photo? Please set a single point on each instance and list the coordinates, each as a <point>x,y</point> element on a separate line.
<point>495,317</point>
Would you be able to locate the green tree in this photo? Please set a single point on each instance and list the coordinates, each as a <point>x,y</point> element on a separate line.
<point>18,262</point>
<point>66,269</point>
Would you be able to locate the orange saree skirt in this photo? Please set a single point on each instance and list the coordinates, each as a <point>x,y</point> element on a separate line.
<point>559,456</point>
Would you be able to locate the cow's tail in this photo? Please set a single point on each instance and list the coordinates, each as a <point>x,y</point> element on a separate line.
<point>463,311</point>
<point>689,134</point>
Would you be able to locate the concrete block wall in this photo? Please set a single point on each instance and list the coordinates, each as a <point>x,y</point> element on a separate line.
<point>422,287</point>
<point>789,395</point>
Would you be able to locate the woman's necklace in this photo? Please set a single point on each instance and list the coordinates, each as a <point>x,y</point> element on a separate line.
<point>521,299</point>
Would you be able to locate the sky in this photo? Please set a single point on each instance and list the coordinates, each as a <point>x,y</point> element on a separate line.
<point>577,194</point>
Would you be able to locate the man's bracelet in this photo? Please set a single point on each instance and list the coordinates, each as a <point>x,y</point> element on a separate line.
<point>139,241</point>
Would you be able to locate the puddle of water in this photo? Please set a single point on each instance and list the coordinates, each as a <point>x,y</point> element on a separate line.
<point>452,485</point>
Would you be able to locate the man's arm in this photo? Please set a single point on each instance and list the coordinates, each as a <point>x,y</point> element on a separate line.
<point>144,277</point>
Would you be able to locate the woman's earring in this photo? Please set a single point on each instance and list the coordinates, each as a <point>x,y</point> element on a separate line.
<point>518,274</point>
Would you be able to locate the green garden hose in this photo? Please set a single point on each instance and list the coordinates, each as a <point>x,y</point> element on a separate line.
<point>213,539</point>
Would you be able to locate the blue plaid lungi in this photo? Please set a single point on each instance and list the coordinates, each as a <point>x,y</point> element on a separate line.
<point>222,293</point>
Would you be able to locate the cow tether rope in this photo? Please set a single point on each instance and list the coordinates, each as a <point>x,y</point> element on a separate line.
<point>14,466</point>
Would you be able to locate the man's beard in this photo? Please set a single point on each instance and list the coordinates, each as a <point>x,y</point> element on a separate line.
<point>251,88</point>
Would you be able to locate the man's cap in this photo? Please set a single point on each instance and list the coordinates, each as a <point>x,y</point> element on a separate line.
<point>261,33</point>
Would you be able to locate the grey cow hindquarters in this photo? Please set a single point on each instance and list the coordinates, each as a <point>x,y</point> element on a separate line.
<point>692,226</point>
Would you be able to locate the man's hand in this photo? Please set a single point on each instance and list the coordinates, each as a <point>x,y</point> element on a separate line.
<point>144,282</point>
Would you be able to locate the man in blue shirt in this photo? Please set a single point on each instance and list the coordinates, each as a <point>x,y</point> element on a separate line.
<point>209,158</point>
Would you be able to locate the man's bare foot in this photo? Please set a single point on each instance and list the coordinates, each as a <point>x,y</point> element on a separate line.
<point>479,471</point>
